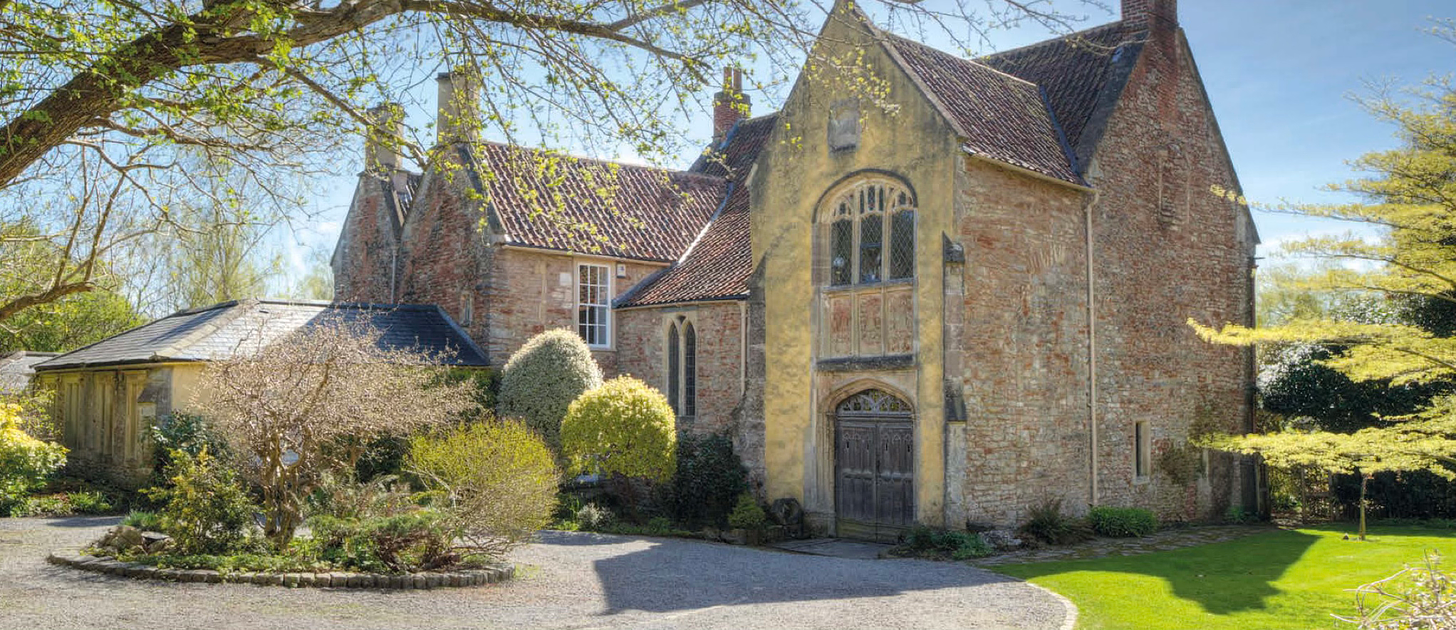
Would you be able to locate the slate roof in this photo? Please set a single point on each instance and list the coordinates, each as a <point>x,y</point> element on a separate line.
<point>720,262</point>
<point>1082,75</point>
<point>646,214</point>
<point>220,331</point>
<point>1001,117</point>
<point>17,367</point>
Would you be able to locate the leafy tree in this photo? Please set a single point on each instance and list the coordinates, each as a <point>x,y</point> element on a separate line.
<point>307,406</point>
<point>317,283</point>
<point>625,427</point>
<point>69,323</point>
<point>266,91</point>
<point>540,381</point>
<point>1409,191</point>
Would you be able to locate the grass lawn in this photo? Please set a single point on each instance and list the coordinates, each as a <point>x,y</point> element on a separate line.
<point>1280,579</point>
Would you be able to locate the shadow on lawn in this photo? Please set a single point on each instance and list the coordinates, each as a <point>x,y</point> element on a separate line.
<point>1222,577</point>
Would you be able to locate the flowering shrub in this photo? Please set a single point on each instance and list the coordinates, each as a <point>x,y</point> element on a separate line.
<point>25,462</point>
<point>540,381</point>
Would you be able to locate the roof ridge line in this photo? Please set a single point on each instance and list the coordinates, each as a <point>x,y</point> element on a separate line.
<point>1044,42</point>
<point>958,58</point>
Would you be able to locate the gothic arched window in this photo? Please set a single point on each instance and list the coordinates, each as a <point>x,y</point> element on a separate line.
<point>682,367</point>
<point>871,234</point>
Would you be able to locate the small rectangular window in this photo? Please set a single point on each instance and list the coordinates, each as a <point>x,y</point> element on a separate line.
<point>593,305</point>
<point>1142,450</point>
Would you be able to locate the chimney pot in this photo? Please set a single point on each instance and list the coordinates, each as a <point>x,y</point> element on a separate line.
<point>730,105</point>
<point>381,142</point>
<point>458,110</point>
<point>1142,15</point>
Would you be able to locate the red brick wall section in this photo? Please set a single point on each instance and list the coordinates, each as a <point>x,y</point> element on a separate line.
<point>530,291</point>
<point>641,339</point>
<point>366,246</point>
<point>1167,250</point>
<point>1022,347</point>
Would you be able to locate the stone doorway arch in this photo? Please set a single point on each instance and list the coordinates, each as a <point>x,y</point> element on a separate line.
<point>874,465</point>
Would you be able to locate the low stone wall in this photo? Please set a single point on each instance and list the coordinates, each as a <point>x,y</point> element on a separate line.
<point>472,577</point>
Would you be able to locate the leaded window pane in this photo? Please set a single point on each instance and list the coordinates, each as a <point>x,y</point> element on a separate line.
<point>871,233</point>
<point>690,371</point>
<point>841,252</point>
<point>902,245</point>
<point>674,367</point>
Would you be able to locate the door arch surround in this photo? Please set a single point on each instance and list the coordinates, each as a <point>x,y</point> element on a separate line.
<point>874,462</point>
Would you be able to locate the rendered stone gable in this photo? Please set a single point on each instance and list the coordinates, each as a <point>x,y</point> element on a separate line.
<point>914,144</point>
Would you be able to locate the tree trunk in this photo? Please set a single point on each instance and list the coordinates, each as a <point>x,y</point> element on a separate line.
<point>1364,481</point>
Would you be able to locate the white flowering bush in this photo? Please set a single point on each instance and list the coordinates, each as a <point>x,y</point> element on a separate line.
<point>542,379</point>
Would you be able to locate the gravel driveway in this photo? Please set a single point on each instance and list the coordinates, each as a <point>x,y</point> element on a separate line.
<point>565,581</point>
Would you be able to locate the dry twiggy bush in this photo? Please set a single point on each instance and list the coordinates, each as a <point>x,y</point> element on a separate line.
<point>1418,597</point>
<point>306,405</point>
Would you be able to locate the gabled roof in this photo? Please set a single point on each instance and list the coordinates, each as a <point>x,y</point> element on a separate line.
<point>1082,75</point>
<point>552,201</point>
<point>17,367</point>
<point>223,330</point>
<point>1001,117</point>
<point>719,263</point>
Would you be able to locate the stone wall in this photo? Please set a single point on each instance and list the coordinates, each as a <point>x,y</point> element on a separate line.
<point>1021,347</point>
<point>105,417</point>
<point>366,249</point>
<point>500,295</point>
<point>1167,250</point>
<point>641,343</point>
<point>530,291</point>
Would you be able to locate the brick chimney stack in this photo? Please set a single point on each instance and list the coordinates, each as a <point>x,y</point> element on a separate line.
<point>381,151</point>
<point>729,106</point>
<point>1143,15</point>
<point>458,117</point>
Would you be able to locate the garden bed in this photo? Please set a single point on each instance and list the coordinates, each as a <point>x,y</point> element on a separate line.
<point>427,580</point>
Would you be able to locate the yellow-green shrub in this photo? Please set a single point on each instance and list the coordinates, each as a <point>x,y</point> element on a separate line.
<point>25,462</point>
<point>624,427</point>
<point>497,481</point>
<point>541,380</point>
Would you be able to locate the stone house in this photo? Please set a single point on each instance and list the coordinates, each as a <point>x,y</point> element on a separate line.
<point>109,394</point>
<point>944,300</point>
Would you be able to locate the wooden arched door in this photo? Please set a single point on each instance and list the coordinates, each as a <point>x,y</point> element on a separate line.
<point>874,466</point>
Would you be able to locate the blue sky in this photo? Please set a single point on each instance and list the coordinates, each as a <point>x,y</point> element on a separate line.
<point>1279,72</point>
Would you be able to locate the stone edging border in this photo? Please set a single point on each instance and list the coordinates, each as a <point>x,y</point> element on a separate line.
<point>471,577</point>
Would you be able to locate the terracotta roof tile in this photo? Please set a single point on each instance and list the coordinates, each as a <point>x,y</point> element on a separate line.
<point>552,201</point>
<point>1002,117</point>
<point>1073,70</point>
<point>720,262</point>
